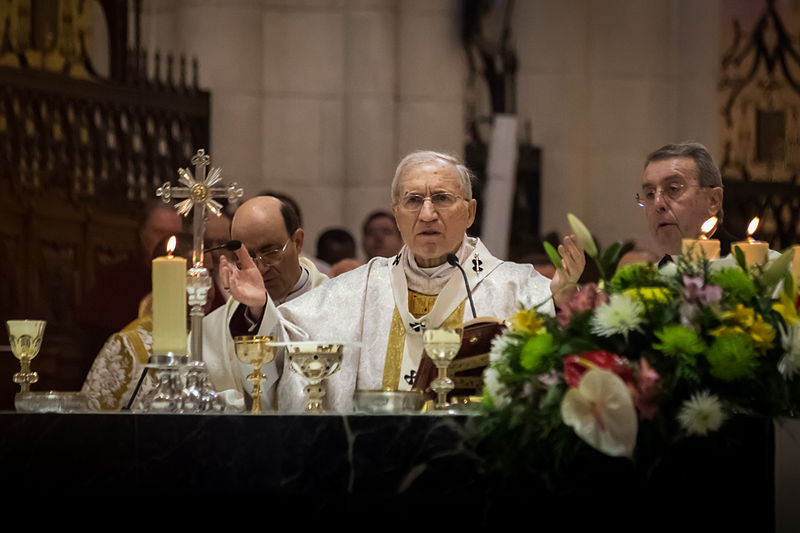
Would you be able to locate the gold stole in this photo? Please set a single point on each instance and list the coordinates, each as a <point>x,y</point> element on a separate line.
<point>419,305</point>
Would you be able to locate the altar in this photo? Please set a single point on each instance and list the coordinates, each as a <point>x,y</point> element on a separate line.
<point>385,466</point>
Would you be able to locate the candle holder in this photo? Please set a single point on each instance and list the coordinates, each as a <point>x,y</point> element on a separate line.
<point>166,396</point>
<point>255,351</point>
<point>198,395</point>
<point>316,362</point>
<point>442,345</point>
<point>26,340</point>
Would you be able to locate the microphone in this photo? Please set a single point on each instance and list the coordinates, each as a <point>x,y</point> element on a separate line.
<point>453,260</point>
<point>230,245</point>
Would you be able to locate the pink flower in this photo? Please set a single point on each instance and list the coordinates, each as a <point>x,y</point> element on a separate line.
<point>695,292</point>
<point>584,300</point>
<point>645,394</point>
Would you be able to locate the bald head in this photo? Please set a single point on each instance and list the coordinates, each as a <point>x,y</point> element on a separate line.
<point>261,211</point>
<point>261,224</point>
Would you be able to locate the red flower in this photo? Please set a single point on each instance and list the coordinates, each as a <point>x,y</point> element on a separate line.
<point>576,365</point>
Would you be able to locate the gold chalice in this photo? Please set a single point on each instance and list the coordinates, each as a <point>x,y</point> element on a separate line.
<point>315,361</point>
<point>442,345</point>
<point>26,340</point>
<point>255,350</point>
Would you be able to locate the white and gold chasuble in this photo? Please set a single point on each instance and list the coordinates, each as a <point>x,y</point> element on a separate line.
<point>116,370</point>
<point>364,309</point>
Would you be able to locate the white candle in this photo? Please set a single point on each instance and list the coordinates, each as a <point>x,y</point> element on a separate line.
<point>702,247</point>
<point>755,252</point>
<point>169,304</point>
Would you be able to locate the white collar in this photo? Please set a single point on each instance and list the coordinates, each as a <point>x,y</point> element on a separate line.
<point>297,290</point>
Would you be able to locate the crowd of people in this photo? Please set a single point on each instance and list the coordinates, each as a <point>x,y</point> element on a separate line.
<point>408,276</point>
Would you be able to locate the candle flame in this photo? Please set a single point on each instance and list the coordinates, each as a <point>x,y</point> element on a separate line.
<point>171,244</point>
<point>751,228</point>
<point>707,227</point>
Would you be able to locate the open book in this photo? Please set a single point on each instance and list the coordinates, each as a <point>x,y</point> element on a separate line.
<point>467,368</point>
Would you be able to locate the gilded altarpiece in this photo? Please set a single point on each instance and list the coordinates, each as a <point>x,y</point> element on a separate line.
<point>80,154</point>
<point>759,99</point>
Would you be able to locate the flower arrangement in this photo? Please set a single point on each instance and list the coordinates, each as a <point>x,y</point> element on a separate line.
<point>643,359</point>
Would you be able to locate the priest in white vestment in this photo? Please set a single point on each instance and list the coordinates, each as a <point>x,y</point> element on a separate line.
<point>270,229</point>
<point>378,310</point>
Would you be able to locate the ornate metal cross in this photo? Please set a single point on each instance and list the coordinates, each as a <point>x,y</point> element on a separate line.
<point>200,191</point>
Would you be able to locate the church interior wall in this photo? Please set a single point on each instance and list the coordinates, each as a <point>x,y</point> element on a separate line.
<point>320,99</point>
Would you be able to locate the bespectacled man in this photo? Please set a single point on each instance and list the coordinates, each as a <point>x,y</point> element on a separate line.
<point>380,310</point>
<point>682,188</point>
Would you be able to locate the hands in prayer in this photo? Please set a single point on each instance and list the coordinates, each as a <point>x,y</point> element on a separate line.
<point>244,282</point>
<point>573,261</point>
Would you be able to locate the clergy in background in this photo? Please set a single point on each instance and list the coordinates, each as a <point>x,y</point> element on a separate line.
<point>272,242</point>
<point>378,309</point>
<point>681,189</point>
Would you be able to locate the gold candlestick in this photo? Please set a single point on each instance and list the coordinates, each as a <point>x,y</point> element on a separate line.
<point>26,340</point>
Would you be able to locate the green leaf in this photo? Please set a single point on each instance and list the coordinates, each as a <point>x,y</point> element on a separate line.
<point>777,269</point>
<point>555,258</point>
<point>738,254</point>
<point>582,234</point>
<point>788,285</point>
<point>611,256</point>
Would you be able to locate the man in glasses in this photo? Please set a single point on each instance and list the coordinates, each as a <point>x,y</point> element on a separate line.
<point>272,241</point>
<point>380,310</point>
<point>681,189</point>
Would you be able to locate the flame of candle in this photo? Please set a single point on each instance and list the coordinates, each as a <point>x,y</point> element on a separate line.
<point>751,228</point>
<point>171,245</point>
<point>707,227</point>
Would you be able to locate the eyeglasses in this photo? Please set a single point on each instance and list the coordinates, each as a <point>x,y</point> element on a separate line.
<point>440,200</point>
<point>268,256</point>
<point>671,191</point>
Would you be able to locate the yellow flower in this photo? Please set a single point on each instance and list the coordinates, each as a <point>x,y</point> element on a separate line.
<point>745,320</point>
<point>724,330</point>
<point>527,321</point>
<point>762,334</point>
<point>649,294</point>
<point>785,307</point>
<point>742,316</point>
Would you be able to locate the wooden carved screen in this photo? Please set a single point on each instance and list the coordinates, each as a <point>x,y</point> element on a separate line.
<point>78,159</point>
<point>759,92</point>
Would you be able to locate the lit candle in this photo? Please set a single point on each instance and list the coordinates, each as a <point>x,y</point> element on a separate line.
<point>755,252</point>
<point>702,247</point>
<point>169,303</point>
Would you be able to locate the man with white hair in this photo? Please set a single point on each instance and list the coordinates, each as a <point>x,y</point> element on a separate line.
<point>378,310</point>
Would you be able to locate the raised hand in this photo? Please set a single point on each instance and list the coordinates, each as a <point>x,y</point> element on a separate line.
<point>244,283</point>
<point>573,261</point>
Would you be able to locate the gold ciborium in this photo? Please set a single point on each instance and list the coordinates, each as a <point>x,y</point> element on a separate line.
<point>315,361</point>
<point>442,345</point>
<point>255,350</point>
<point>26,339</point>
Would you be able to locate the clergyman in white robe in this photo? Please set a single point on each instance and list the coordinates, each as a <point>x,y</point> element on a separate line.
<point>367,306</point>
<point>226,372</point>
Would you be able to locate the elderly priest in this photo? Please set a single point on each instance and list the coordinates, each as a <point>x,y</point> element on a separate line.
<point>377,309</point>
